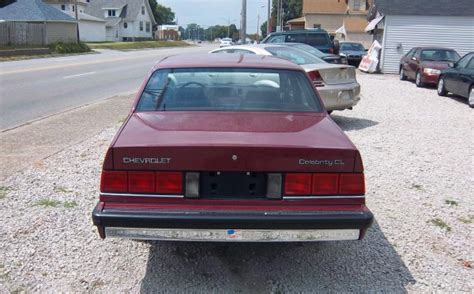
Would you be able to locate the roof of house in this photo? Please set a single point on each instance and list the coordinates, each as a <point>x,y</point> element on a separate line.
<point>297,20</point>
<point>32,10</point>
<point>130,8</point>
<point>425,7</point>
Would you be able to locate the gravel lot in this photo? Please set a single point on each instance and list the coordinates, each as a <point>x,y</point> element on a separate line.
<point>419,160</point>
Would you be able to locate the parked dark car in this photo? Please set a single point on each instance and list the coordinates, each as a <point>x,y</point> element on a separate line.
<point>424,64</point>
<point>316,38</point>
<point>459,79</point>
<point>328,57</point>
<point>353,52</point>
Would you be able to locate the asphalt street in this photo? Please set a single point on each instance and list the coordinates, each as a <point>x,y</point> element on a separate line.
<point>32,89</point>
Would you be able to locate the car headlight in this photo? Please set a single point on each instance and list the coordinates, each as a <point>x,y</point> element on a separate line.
<point>342,54</point>
<point>431,71</point>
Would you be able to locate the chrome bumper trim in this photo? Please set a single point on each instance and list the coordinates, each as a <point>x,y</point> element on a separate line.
<point>234,235</point>
<point>321,197</point>
<point>141,195</point>
<point>182,196</point>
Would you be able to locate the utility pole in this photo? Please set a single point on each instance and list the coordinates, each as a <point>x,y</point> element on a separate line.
<point>77,21</point>
<point>269,20</point>
<point>243,29</point>
<point>258,27</point>
<point>278,16</point>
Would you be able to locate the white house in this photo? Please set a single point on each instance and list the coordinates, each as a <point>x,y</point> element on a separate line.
<point>91,29</point>
<point>125,20</point>
<point>403,24</point>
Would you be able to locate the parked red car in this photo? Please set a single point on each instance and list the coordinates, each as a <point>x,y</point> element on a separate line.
<point>228,147</point>
<point>424,64</point>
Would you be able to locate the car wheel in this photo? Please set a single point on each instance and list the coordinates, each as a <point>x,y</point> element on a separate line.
<point>418,81</point>
<point>329,111</point>
<point>403,77</point>
<point>471,97</point>
<point>441,88</point>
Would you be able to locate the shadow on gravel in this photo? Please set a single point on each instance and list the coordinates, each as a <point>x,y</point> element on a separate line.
<point>457,98</point>
<point>359,266</point>
<point>352,123</point>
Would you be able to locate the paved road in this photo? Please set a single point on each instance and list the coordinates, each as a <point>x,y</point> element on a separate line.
<point>31,89</point>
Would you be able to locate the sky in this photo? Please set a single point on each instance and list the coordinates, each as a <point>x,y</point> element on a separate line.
<point>211,12</point>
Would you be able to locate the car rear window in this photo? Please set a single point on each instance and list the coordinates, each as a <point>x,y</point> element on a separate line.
<point>352,47</point>
<point>318,40</point>
<point>228,89</point>
<point>295,55</point>
<point>439,55</point>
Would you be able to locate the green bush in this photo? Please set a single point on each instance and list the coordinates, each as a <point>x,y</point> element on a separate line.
<point>62,48</point>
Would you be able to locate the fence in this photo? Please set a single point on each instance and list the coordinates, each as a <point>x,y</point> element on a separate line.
<point>22,33</point>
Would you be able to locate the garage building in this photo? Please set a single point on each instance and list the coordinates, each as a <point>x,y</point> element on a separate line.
<point>403,24</point>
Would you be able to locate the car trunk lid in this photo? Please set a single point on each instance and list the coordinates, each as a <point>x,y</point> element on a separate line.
<point>333,74</point>
<point>247,142</point>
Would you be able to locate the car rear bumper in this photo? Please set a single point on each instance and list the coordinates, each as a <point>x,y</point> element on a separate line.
<point>341,96</point>
<point>255,226</point>
<point>355,61</point>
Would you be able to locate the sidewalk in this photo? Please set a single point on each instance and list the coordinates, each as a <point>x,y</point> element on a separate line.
<point>27,145</point>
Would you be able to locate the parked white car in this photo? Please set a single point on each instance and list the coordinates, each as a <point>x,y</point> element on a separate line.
<point>226,42</point>
<point>336,83</point>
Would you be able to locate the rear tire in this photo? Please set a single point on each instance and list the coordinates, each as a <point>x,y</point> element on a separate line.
<point>329,111</point>
<point>441,88</point>
<point>403,77</point>
<point>470,100</point>
<point>418,81</point>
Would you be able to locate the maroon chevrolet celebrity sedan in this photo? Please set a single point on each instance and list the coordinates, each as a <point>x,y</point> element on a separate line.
<point>229,147</point>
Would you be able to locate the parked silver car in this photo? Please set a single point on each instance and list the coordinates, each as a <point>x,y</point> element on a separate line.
<point>336,83</point>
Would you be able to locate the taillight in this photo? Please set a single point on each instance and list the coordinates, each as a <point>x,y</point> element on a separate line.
<point>169,182</point>
<point>141,182</point>
<point>298,184</point>
<point>304,184</point>
<point>325,184</point>
<point>352,184</point>
<point>113,181</point>
<point>316,78</point>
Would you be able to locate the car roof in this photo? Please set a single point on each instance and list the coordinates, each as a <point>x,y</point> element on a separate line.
<point>205,60</point>
<point>258,48</point>
<point>300,31</point>
<point>434,47</point>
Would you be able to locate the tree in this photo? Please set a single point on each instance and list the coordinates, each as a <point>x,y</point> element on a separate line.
<point>162,14</point>
<point>263,29</point>
<point>291,9</point>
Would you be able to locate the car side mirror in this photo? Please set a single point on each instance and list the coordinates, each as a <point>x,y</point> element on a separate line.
<point>452,65</point>
<point>366,50</point>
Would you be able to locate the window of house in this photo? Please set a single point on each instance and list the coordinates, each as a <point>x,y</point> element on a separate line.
<point>111,12</point>
<point>143,9</point>
<point>141,26</point>
<point>148,27</point>
<point>63,7</point>
<point>356,5</point>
